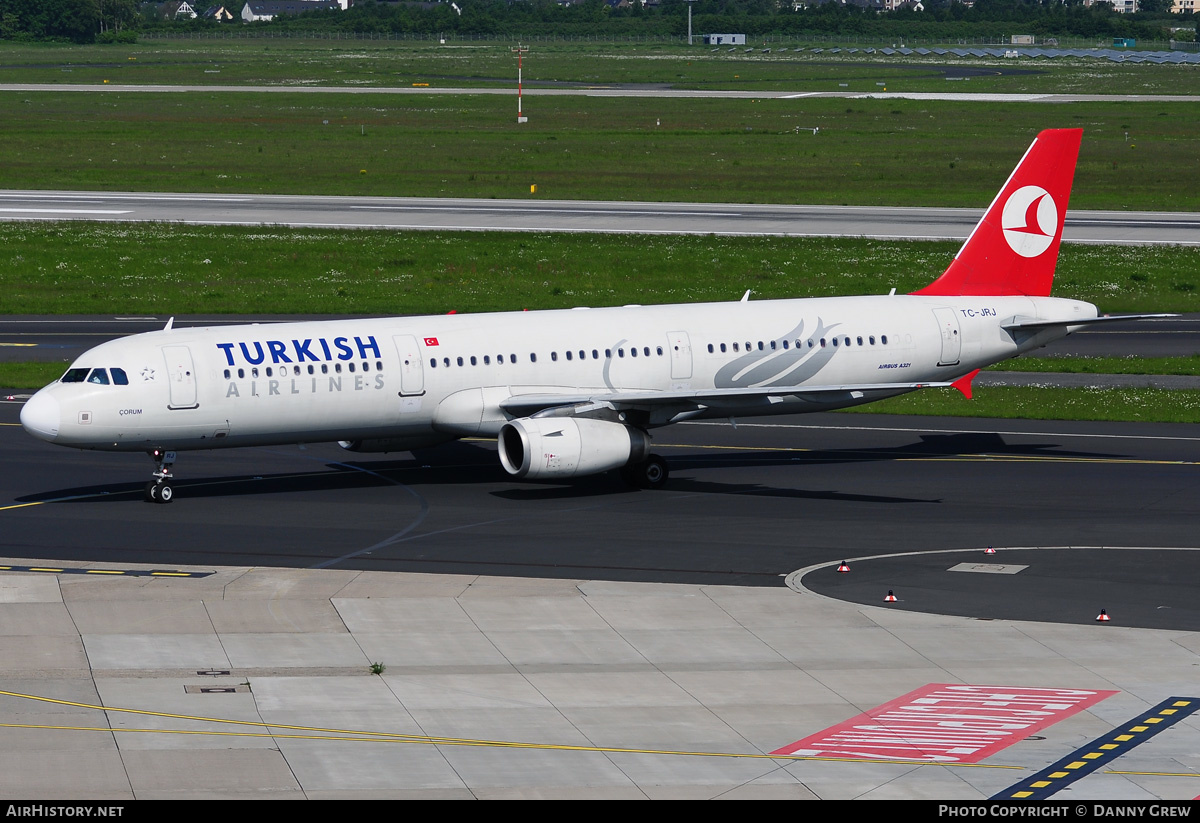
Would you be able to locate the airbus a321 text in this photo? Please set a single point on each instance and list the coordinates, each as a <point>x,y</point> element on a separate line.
<point>577,392</point>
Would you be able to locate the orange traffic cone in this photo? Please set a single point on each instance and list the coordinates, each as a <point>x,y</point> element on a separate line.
<point>843,567</point>
<point>891,598</point>
<point>1103,617</point>
<point>989,550</point>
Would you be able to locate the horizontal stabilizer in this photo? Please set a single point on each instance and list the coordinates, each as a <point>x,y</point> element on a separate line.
<point>1034,323</point>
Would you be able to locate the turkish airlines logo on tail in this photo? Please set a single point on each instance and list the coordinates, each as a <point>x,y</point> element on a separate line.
<point>1030,221</point>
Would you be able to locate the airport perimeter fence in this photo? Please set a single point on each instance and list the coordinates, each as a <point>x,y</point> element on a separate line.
<point>761,42</point>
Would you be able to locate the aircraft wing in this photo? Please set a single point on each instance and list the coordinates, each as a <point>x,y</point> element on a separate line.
<point>1034,323</point>
<point>527,404</point>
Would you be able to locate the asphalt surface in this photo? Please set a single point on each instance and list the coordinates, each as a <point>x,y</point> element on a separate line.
<point>744,506</point>
<point>461,214</point>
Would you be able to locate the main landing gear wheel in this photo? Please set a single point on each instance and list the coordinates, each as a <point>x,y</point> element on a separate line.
<point>650,473</point>
<point>159,489</point>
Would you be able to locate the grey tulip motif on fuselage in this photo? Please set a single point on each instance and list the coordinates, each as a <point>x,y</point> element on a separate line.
<point>779,367</point>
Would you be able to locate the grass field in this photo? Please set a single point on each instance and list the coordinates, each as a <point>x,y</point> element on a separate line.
<point>100,268</point>
<point>1186,366</point>
<point>868,152</point>
<point>1047,403</point>
<point>365,63</point>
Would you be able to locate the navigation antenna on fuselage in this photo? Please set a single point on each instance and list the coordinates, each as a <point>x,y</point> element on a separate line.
<point>170,323</point>
<point>746,296</point>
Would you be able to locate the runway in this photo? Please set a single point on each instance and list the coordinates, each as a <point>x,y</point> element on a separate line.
<point>450,214</point>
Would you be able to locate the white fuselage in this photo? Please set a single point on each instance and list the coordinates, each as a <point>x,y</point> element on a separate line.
<point>418,380</point>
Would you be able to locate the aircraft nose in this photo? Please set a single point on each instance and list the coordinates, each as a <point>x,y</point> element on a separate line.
<point>40,416</point>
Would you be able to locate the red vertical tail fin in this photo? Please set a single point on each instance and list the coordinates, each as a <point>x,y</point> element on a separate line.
<point>1014,248</point>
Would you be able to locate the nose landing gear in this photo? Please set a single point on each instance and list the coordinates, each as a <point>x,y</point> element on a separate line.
<point>159,489</point>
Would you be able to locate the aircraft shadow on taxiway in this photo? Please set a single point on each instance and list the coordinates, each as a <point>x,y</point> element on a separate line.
<point>468,463</point>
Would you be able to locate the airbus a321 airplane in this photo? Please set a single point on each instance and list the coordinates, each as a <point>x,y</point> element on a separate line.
<point>577,392</point>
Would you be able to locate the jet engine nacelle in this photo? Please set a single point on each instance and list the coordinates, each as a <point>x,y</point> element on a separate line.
<point>537,447</point>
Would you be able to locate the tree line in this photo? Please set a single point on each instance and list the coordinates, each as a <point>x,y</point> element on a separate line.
<point>86,21</point>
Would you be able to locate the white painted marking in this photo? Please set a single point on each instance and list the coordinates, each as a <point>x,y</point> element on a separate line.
<point>63,211</point>
<point>987,568</point>
<point>548,210</point>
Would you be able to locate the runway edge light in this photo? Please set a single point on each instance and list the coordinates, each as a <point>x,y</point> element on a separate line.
<point>1103,617</point>
<point>891,597</point>
<point>843,567</point>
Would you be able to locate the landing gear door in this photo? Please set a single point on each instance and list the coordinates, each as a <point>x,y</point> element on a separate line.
<point>681,355</point>
<point>412,376</point>
<point>947,320</point>
<point>181,377</point>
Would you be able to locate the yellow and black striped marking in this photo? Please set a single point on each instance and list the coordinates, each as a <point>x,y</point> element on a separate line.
<point>1101,751</point>
<point>109,572</point>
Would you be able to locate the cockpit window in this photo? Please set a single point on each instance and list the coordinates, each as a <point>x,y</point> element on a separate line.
<point>119,377</point>
<point>99,377</point>
<point>74,376</point>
